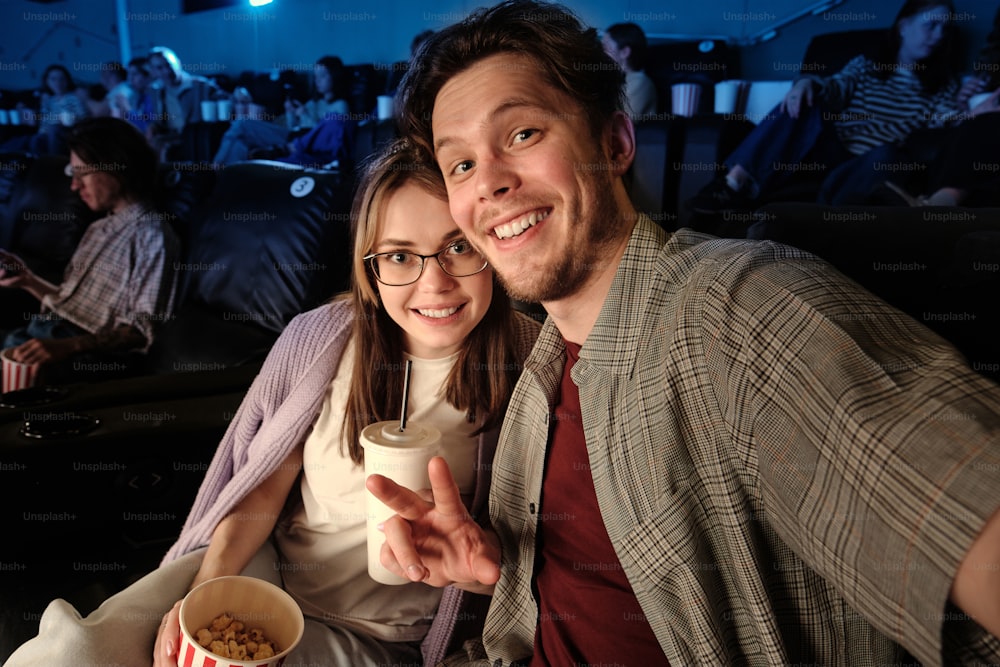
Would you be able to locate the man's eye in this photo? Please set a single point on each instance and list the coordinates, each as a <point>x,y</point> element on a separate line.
<point>524,135</point>
<point>462,167</point>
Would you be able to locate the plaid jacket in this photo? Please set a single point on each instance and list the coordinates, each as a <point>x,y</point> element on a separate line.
<point>789,469</point>
<point>122,272</point>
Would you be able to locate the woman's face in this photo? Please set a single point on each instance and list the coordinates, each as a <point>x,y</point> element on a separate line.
<point>323,80</point>
<point>57,82</point>
<point>921,33</point>
<point>137,78</point>
<point>160,68</point>
<point>438,311</point>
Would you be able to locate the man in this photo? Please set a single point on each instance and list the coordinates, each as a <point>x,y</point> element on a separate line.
<point>121,279</point>
<point>719,452</point>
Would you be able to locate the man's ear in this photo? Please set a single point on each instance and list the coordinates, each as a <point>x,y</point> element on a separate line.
<point>621,142</point>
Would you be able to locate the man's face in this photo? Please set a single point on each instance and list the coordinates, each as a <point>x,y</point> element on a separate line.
<point>527,182</point>
<point>98,189</point>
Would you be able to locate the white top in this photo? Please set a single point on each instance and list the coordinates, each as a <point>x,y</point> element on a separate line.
<point>640,92</point>
<point>323,544</point>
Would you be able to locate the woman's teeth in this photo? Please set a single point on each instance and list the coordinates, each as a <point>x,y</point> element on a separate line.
<point>437,314</point>
<point>517,227</point>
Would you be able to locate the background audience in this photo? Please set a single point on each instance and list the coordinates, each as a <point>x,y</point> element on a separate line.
<point>844,123</point>
<point>247,135</point>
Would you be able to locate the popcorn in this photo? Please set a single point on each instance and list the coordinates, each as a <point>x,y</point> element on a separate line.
<point>228,638</point>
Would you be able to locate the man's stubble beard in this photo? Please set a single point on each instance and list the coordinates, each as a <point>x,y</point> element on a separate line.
<point>585,253</point>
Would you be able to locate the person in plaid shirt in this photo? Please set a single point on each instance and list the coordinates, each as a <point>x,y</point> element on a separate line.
<point>121,279</point>
<point>720,452</point>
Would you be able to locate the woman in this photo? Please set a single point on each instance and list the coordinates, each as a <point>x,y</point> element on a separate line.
<point>178,95</point>
<point>292,449</point>
<point>245,136</point>
<point>61,106</point>
<point>845,125</point>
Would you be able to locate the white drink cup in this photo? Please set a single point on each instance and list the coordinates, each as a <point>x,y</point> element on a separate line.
<point>209,111</point>
<point>402,456</point>
<point>384,106</point>
<point>725,96</point>
<point>225,109</point>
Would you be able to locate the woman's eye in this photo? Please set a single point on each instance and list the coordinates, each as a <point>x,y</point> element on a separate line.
<point>398,258</point>
<point>460,248</point>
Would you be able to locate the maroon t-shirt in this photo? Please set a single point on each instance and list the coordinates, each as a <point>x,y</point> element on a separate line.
<point>588,614</point>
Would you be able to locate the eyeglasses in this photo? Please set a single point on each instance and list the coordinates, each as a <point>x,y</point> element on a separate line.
<point>79,171</point>
<point>458,259</point>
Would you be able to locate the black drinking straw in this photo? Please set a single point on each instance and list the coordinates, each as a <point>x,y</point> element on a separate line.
<point>406,395</point>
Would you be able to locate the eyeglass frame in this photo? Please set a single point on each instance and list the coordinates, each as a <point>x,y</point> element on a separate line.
<point>423,263</point>
<point>79,171</point>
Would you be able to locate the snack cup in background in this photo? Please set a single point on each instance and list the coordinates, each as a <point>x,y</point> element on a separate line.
<point>685,98</point>
<point>255,602</point>
<point>17,375</point>
<point>731,96</point>
<point>384,106</point>
<point>209,111</point>
<point>225,109</point>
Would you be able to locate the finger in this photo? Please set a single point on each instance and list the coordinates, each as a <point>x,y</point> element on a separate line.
<point>172,631</point>
<point>19,353</point>
<point>398,498</point>
<point>402,557</point>
<point>447,499</point>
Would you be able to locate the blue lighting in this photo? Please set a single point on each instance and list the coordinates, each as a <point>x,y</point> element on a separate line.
<point>260,3</point>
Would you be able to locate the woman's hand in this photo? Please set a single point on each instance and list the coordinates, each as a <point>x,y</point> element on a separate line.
<point>802,91</point>
<point>435,540</point>
<point>167,638</point>
<point>989,105</point>
<point>971,86</point>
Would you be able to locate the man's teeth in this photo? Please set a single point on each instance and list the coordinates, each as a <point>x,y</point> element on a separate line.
<point>517,227</point>
<point>438,313</point>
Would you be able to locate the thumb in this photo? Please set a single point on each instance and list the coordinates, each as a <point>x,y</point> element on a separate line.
<point>485,568</point>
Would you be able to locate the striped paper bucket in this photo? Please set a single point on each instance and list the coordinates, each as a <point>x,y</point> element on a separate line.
<point>254,602</point>
<point>17,375</point>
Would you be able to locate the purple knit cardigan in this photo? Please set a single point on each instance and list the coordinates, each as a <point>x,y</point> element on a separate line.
<point>278,412</point>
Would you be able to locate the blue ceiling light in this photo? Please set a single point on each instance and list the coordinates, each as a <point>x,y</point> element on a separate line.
<point>260,3</point>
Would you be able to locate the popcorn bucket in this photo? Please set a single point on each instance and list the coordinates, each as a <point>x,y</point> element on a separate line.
<point>684,98</point>
<point>17,375</point>
<point>257,604</point>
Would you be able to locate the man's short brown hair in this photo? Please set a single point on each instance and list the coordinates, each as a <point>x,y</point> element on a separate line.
<point>569,55</point>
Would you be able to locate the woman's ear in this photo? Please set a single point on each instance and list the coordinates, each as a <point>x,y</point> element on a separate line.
<point>621,141</point>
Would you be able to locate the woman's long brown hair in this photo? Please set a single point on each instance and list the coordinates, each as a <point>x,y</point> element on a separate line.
<point>481,381</point>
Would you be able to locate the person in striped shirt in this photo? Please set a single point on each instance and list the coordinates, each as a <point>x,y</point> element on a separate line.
<point>845,125</point>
